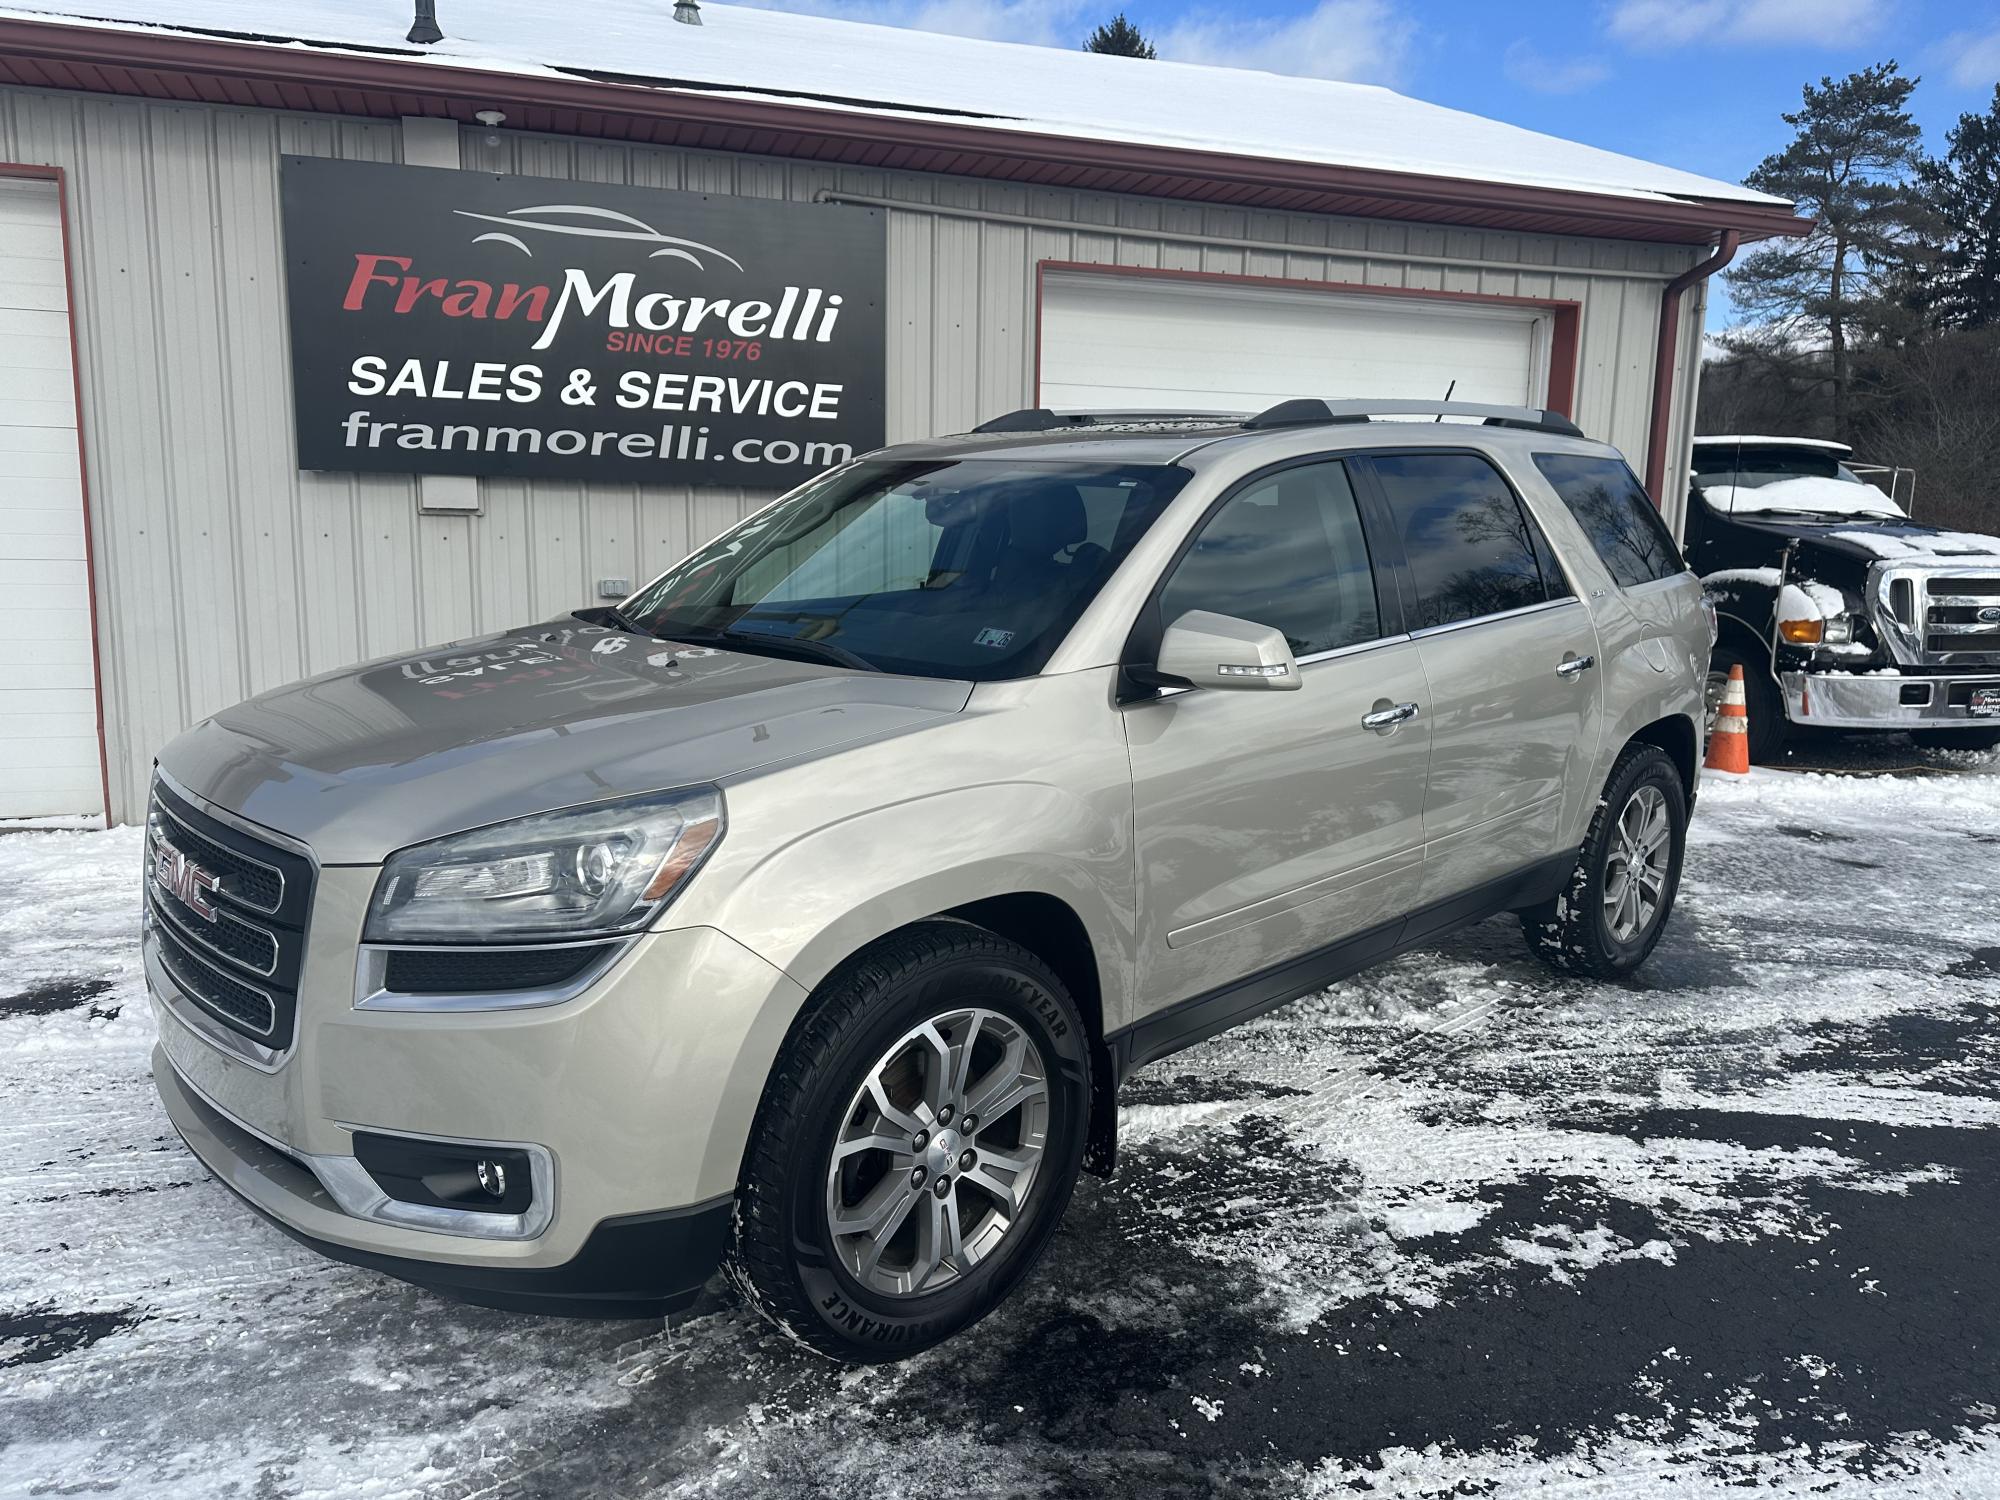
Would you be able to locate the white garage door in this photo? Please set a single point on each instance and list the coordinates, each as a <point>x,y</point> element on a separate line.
<point>48,693</point>
<point>1119,343</point>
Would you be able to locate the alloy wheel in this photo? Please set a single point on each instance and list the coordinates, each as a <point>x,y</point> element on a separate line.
<point>1635,871</point>
<point>937,1152</point>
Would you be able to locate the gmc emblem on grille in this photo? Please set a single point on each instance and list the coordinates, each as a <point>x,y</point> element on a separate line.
<point>188,881</point>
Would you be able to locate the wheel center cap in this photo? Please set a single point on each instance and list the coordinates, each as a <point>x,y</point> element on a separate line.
<point>942,1153</point>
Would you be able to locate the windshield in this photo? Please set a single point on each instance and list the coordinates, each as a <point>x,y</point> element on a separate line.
<point>972,569</point>
<point>1749,468</point>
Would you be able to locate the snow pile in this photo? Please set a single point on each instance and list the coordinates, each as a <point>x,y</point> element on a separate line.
<point>1938,544</point>
<point>827,63</point>
<point>1726,1459</point>
<point>1758,440</point>
<point>1812,494</point>
<point>1723,577</point>
<point>1802,599</point>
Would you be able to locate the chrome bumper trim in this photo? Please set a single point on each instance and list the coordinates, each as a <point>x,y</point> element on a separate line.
<point>1835,702</point>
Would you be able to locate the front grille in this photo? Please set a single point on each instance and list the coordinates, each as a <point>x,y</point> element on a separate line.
<point>432,971</point>
<point>1953,630</point>
<point>252,882</point>
<point>241,963</point>
<point>249,946</point>
<point>248,1010</point>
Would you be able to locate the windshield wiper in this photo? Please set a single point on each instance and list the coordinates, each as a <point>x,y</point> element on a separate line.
<point>776,645</point>
<point>625,622</point>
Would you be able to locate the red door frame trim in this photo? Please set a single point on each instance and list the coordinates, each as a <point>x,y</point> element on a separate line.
<point>61,179</point>
<point>1564,335</point>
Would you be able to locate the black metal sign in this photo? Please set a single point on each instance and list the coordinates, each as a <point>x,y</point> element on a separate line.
<point>448,322</point>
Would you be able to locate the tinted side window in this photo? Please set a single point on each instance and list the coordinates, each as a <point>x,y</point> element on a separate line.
<point>1288,552</point>
<point>1609,504</point>
<point>1472,549</point>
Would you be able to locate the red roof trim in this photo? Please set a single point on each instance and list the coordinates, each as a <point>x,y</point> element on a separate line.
<point>199,69</point>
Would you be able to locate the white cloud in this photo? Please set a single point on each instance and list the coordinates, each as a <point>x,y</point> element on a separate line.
<point>1974,59</point>
<point>1364,40</point>
<point>1544,74</point>
<point>1658,25</point>
<point>1361,40</point>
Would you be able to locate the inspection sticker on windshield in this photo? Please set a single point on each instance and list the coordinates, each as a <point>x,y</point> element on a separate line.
<point>999,640</point>
<point>1986,702</point>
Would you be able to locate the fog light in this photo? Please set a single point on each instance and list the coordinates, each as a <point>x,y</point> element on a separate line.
<point>445,1174</point>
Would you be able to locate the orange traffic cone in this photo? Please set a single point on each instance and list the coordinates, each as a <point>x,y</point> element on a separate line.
<point>1729,737</point>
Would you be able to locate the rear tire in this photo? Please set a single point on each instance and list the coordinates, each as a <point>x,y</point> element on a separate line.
<point>1768,725</point>
<point>1956,739</point>
<point>1620,894</point>
<point>871,1221</point>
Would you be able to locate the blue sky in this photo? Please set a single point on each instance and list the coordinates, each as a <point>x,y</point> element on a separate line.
<point>1698,84</point>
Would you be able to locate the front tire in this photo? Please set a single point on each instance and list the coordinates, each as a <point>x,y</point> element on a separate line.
<point>1616,903</point>
<point>873,1219</point>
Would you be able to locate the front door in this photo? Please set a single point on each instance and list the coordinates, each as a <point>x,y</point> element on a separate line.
<point>1511,656</point>
<point>1269,824</point>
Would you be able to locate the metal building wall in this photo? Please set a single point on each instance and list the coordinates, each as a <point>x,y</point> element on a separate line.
<point>223,570</point>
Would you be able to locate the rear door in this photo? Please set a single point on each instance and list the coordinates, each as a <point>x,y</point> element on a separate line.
<point>1270,824</point>
<point>1510,654</point>
<point>1643,607</point>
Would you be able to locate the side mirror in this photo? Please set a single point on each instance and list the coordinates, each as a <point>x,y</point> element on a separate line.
<point>1208,650</point>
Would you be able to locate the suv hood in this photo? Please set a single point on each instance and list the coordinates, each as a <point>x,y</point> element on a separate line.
<point>361,762</point>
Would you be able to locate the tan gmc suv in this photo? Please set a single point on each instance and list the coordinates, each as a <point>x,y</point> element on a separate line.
<point>801,916</point>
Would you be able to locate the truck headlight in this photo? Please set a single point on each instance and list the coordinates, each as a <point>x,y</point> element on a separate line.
<point>1833,630</point>
<point>591,871</point>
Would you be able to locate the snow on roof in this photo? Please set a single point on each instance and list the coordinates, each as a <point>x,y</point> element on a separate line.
<point>881,69</point>
<point>1752,441</point>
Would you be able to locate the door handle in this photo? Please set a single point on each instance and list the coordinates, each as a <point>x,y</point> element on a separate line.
<point>1382,720</point>
<point>1575,666</point>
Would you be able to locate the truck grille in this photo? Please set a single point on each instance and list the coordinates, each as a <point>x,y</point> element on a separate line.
<point>1952,623</point>
<point>240,960</point>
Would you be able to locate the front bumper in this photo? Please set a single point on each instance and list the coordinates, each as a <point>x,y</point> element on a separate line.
<point>1887,701</point>
<point>634,1100</point>
<point>631,1266</point>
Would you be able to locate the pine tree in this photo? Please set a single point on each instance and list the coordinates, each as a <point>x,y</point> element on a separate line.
<point>1849,167</point>
<point>1958,283</point>
<point>1120,38</point>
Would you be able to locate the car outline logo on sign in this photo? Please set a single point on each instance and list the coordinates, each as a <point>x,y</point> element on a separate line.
<point>635,229</point>
<point>187,882</point>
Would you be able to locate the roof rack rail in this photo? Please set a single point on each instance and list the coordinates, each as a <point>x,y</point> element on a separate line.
<point>1310,411</point>
<point>1041,419</point>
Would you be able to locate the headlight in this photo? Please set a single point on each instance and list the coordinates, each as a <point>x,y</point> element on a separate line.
<point>1834,630</point>
<point>591,871</point>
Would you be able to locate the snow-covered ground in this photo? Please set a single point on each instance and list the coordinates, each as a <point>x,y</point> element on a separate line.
<point>1452,1228</point>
